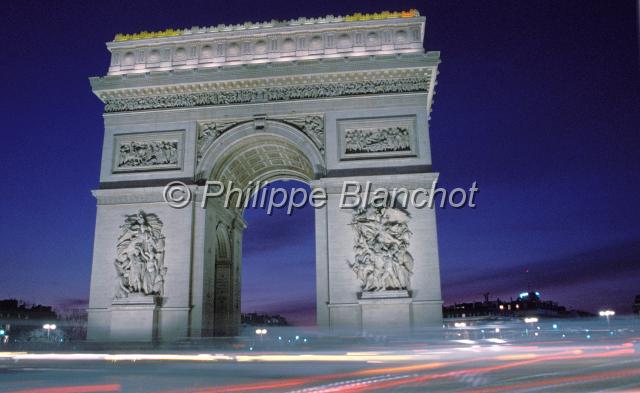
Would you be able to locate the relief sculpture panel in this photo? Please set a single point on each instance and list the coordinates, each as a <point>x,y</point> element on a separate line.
<point>377,138</point>
<point>146,152</point>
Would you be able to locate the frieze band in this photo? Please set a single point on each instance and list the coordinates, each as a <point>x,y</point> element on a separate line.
<point>267,94</point>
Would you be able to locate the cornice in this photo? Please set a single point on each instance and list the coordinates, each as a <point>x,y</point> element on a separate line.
<point>271,82</point>
<point>255,75</point>
<point>270,42</point>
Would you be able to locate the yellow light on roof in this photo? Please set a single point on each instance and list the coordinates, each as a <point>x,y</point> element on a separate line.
<point>349,18</point>
<point>147,34</point>
<point>381,15</point>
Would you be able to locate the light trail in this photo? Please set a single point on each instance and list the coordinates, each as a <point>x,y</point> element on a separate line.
<point>410,380</point>
<point>411,369</point>
<point>74,389</point>
<point>387,377</point>
<point>557,381</point>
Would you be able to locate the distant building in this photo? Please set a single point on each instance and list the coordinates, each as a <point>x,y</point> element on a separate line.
<point>527,304</point>
<point>17,318</point>
<point>252,319</point>
<point>11,309</point>
<point>636,305</point>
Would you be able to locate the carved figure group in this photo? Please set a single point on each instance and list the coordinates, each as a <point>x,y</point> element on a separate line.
<point>135,154</point>
<point>211,131</point>
<point>382,260</point>
<point>369,140</point>
<point>140,256</point>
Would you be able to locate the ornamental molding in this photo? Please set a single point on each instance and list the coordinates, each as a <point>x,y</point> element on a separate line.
<point>312,125</point>
<point>138,195</point>
<point>270,94</point>
<point>409,181</point>
<point>209,131</point>
<point>263,76</point>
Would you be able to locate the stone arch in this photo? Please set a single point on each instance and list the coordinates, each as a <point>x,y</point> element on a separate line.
<point>245,153</point>
<point>311,116</point>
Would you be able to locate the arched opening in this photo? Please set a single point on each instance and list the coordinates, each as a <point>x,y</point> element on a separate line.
<point>247,158</point>
<point>278,265</point>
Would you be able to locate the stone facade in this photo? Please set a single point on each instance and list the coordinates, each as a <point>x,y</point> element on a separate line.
<point>231,104</point>
<point>269,41</point>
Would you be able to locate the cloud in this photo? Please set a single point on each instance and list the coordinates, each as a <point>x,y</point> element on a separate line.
<point>579,270</point>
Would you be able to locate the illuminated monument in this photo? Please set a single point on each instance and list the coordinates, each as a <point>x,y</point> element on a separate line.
<point>318,100</point>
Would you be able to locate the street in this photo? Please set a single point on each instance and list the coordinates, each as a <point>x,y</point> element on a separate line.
<point>464,361</point>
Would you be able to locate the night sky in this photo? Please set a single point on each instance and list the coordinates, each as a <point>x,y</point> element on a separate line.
<point>536,101</point>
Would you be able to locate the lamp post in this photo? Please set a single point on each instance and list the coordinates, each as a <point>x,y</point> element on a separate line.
<point>261,332</point>
<point>530,320</point>
<point>607,314</point>
<point>49,327</point>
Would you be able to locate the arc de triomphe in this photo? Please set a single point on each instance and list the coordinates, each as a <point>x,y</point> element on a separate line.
<point>318,100</point>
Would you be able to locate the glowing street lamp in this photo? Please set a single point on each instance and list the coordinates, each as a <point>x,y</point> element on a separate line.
<point>49,327</point>
<point>261,332</point>
<point>530,320</point>
<point>607,314</point>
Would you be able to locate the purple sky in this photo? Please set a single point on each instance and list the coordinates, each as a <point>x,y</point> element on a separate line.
<point>536,101</point>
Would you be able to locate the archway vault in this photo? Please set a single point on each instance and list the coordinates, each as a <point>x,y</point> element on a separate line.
<point>245,155</point>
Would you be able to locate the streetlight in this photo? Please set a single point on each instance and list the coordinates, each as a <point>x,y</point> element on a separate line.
<point>607,314</point>
<point>530,320</point>
<point>49,327</point>
<point>261,332</point>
